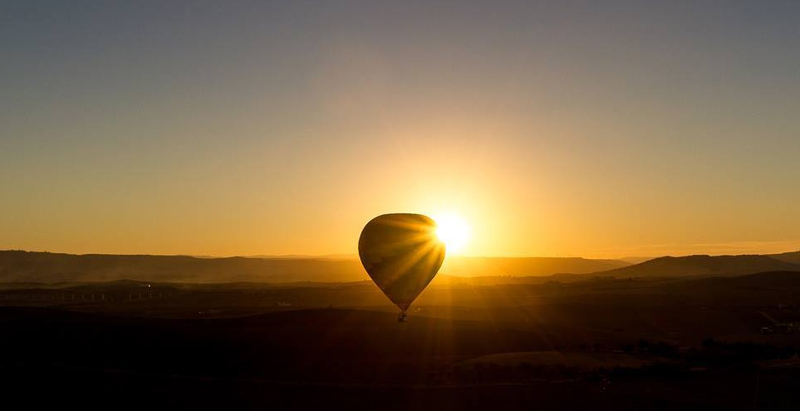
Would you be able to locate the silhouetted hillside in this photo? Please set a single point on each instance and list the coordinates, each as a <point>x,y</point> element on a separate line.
<point>703,265</point>
<point>22,266</point>
<point>791,257</point>
<point>524,266</point>
<point>783,280</point>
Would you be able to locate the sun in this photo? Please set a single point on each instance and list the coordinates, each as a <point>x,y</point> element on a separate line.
<point>453,231</point>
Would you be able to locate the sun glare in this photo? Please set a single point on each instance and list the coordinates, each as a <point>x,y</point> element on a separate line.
<point>453,231</point>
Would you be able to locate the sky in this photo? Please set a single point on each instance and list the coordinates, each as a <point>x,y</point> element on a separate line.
<point>597,129</point>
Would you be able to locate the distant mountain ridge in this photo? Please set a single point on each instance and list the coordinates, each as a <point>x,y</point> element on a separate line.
<point>22,266</point>
<point>524,266</point>
<point>43,267</point>
<point>706,265</point>
<point>791,257</point>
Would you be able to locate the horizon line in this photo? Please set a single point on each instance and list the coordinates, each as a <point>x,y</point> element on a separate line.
<point>354,256</point>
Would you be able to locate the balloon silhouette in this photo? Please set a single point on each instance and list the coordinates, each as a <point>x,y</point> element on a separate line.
<point>401,254</point>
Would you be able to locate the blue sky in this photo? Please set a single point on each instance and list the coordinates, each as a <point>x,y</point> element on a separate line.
<point>555,128</point>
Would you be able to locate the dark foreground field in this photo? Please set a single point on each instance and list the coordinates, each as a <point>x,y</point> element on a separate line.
<point>610,344</point>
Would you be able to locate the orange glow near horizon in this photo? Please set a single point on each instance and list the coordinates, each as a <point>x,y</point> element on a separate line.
<point>263,131</point>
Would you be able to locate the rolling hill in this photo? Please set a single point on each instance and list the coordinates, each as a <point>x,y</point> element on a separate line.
<point>24,266</point>
<point>524,266</point>
<point>703,266</point>
<point>42,267</point>
<point>791,257</point>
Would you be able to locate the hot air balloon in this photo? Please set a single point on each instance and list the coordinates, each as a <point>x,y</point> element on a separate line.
<point>401,254</point>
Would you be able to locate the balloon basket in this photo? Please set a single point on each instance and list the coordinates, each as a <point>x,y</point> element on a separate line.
<point>403,317</point>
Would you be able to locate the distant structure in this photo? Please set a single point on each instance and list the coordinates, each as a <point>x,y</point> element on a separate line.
<point>779,328</point>
<point>776,326</point>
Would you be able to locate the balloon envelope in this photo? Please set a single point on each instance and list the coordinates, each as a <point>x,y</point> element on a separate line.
<point>401,254</point>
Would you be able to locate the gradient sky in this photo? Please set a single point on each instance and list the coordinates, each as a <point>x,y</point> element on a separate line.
<point>601,129</point>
